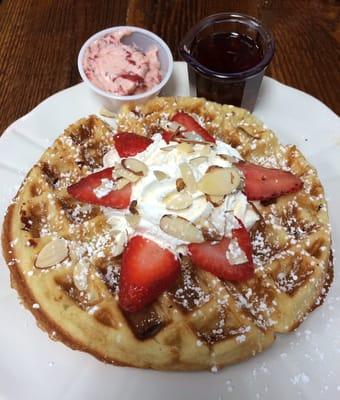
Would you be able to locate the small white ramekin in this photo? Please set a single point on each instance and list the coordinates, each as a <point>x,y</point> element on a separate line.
<point>143,39</point>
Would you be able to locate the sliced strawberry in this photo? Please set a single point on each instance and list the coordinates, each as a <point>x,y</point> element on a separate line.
<point>212,257</point>
<point>168,136</point>
<point>84,191</point>
<point>129,144</point>
<point>191,125</point>
<point>147,271</point>
<point>267,183</point>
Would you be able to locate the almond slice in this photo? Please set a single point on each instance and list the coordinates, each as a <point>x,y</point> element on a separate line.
<point>135,166</point>
<point>160,175</point>
<point>219,181</point>
<point>188,177</point>
<point>205,151</point>
<point>181,228</point>
<point>192,136</point>
<point>185,148</point>
<point>120,183</point>
<point>121,172</point>
<point>182,140</point>
<point>55,252</point>
<point>226,157</point>
<point>196,162</point>
<point>107,113</point>
<point>133,219</point>
<point>251,131</point>
<point>178,200</point>
<point>80,272</point>
<point>169,148</point>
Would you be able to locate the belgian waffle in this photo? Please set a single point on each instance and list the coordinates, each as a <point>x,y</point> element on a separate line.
<point>202,322</point>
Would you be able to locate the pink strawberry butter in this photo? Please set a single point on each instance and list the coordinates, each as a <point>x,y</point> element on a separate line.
<point>120,68</point>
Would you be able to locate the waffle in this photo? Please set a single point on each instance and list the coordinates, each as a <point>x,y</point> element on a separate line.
<point>202,322</point>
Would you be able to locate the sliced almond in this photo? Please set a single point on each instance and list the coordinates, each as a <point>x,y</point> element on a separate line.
<point>235,177</point>
<point>180,185</point>
<point>133,219</point>
<point>216,201</point>
<point>55,252</point>
<point>120,183</point>
<point>135,166</point>
<point>219,181</point>
<point>213,168</point>
<point>80,273</point>
<point>231,159</point>
<point>181,228</point>
<point>192,141</point>
<point>160,175</point>
<point>169,148</point>
<point>107,113</point>
<point>196,162</point>
<point>204,151</point>
<point>178,200</point>
<point>192,136</point>
<point>185,148</point>
<point>188,177</point>
<point>121,172</point>
<point>254,132</point>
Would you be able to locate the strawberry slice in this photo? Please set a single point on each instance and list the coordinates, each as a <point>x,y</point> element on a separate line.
<point>84,191</point>
<point>168,136</point>
<point>147,271</point>
<point>267,183</point>
<point>212,257</point>
<point>129,144</point>
<point>191,125</point>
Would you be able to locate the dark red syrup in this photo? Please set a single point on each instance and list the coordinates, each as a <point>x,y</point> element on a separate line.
<point>228,52</point>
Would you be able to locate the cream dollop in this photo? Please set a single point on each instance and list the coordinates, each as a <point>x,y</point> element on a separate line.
<point>149,192</point>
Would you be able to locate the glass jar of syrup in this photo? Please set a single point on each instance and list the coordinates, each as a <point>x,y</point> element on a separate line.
<point>228,54</point>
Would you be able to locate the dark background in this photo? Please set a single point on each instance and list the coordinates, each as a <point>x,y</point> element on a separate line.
<point>40,40</point>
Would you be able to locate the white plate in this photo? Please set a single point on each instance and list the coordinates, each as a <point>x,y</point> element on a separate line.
<point>304,364</point>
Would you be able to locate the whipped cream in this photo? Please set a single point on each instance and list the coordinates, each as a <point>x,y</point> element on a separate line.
<point>150,193</point>
<point>105,188</point>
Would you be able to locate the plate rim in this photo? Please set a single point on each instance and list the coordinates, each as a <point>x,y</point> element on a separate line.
<point>268,79</point>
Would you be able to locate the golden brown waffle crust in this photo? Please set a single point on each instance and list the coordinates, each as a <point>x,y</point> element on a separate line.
<point>27,299</point>
<point>54,330</point>
<point>229,131</point>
